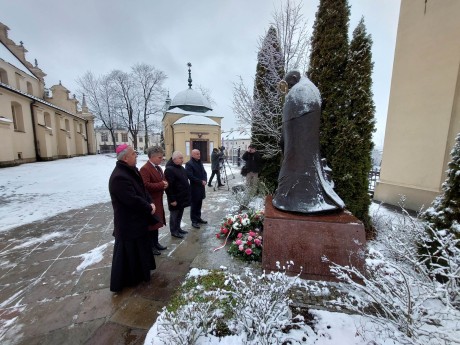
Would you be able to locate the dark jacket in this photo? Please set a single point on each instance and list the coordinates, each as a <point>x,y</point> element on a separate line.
<point>153,182</point>
<point>131,203</point>
<point>196,174</point>
<point>253,161</point>
<point>179,187</point>
<point>215,159</point>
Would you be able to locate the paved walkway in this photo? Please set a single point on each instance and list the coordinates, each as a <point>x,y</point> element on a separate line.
<point>54,277</point>
<point>49,294</point>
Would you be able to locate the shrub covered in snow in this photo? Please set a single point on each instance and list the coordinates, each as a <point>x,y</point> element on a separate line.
<point>252,309</point>
<point>397,287</point>
<point>440,249</point>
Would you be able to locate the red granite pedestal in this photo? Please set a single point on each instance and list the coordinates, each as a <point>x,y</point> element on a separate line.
<point>305,239</point>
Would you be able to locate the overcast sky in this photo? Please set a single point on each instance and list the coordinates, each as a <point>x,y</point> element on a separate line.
<point>219,38</point>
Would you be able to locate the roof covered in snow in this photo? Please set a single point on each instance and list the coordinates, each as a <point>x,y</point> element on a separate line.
<point>196,120</point>
<point>186,112</point>
<point>7,56</point>
<point>190,98</point>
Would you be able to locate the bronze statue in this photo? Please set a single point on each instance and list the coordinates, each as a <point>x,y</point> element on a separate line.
<point>302,183</point>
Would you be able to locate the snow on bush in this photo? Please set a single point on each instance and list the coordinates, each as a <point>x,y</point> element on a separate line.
<point>398,289</point>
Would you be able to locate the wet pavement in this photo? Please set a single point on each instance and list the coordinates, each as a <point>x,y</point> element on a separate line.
<point>55,274</point>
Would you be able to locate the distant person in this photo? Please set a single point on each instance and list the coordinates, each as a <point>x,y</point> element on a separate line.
<point>198,177</point>
<point>178,193</point>
<point>155,183</point>
<point>217,158</point>
<point>133,212</point>
<point>253,164</point>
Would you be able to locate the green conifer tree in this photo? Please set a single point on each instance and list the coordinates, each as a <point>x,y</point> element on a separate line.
<point>328,60</point>
<point>268,104</point>
<point>443,217</point>
<point>352,156</point>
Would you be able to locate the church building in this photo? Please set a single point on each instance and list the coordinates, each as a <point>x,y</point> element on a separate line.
<point>37,124</point>
<point>424,107</point>
<point>190,123</point>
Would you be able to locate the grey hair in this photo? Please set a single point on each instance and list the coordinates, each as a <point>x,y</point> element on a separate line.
<point>176,154</point>
<point>122,154</point>
<point>154,150</point>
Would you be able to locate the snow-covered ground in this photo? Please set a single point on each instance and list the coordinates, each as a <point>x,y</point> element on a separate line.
<point>35,191</point>
<point>32,192</point>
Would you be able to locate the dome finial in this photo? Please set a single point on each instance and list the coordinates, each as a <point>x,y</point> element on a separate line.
<point>189,75</point>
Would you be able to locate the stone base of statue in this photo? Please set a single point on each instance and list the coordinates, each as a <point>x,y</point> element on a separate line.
<point>305,239</point>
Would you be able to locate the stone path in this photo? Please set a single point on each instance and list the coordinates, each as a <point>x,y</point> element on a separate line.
<point>48,295</point>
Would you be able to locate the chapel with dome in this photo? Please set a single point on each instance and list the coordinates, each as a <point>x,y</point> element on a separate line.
<point>189,122</point>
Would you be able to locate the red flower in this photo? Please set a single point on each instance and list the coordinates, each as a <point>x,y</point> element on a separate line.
<point>248,251</point>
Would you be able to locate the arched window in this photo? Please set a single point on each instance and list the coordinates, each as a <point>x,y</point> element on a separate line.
<point>18,118</point>
<point>3,76</point>
<point>30,89</point>
<point>18,80</point>
<point>47,119</point>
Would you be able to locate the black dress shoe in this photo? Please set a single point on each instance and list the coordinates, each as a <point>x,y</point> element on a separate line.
<point>177,235</point>
<point>202,221</point>
<point>183,231</point>
<point>221,185</point>
<point>160,247</point>
<point>196,225</point>
<point>155,251</point>
<point>209,185</point>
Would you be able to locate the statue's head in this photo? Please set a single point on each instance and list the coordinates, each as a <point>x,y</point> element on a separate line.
<point>290,79</point>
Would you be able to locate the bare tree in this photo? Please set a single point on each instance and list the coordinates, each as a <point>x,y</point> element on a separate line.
<point>294,43</point>
<point>293,34</point>
<point>149,81</point>
<point>128,102</point>
<point>100,95</point>
<point>126,99</point>
<point>206,93</point>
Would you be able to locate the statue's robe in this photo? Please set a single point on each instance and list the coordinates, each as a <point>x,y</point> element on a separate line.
<point>302,184</point>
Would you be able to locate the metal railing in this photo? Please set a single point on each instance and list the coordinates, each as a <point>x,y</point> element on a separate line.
<point>374,177</point>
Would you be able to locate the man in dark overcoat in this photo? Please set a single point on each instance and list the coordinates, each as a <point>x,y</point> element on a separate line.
<point>133,212</point>
<point>216,161</point>
<point>178,193</point>
<point>253,163</point>
<point>198,179</point>
<point>155,183</point>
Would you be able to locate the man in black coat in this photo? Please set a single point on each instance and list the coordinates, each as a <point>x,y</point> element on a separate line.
<point>178,193</point>
<point>253,164</point>
<point>198,177</point>
<point>133,212</point>
<point>217,158</point>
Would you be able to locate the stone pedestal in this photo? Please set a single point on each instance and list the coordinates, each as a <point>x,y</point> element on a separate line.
<point>305,239</point>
